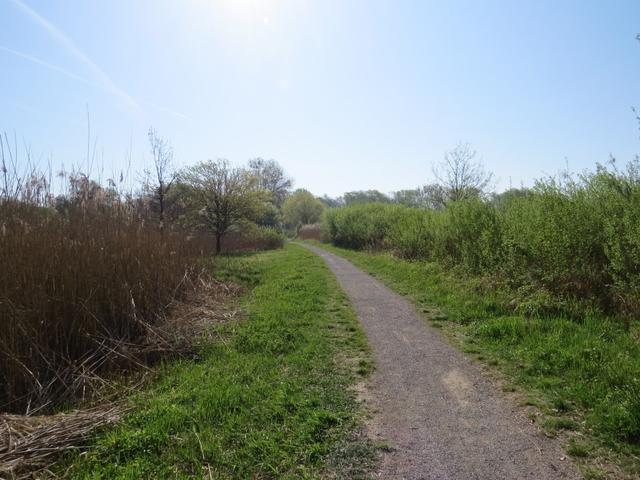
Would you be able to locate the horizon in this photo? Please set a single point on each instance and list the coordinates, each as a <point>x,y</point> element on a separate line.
<point>345,96</point>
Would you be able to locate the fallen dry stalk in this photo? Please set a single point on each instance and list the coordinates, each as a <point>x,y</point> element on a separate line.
<point>29,445</point>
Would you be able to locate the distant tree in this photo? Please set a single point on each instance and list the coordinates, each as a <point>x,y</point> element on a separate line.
<point>82,192</point>
<point>365,196</point>
<point>302,208</point>
<point>330,202</point>
<point>165,174</point>
<point>635,111</point>
<point>461,175</point>
<point>220,197</point>
<point>177,208</point>
<point>434,196</point>
<point>503,199</point>
<point>408,198</point>
<point>271,177</point>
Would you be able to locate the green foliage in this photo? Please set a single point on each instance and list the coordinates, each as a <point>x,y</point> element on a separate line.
<point>569,245</point>
<point>269,238</point>
<point>360,226</point>
<point>302,208</point>
<point>618,205</point>
<point>468,233</point>
<point>271,178</point>
<point>220,196</point>
<point>553,239</point>
<point>428,196</point>
<point>272,401</point>
<point>365,196</point>
<point>413,234</point>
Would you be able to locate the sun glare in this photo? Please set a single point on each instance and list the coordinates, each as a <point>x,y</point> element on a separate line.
<point>251,31</point>
<point>247,8</point>
<point>240,13</point>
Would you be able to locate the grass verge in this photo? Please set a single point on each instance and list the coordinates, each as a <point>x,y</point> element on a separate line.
<point>582,377</point>
<point>271,399</point>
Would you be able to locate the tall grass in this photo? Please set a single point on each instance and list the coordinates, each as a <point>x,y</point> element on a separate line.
<point>81,276</point>
<point>569,245</point>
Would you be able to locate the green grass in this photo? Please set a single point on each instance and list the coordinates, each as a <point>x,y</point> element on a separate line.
<point>274,400</point>
<point>585,376</point>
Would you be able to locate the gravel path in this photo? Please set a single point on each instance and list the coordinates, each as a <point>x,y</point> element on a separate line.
<point>441,417</point>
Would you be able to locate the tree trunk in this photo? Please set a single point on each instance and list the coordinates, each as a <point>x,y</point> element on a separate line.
<point>218,243</point>
<point>161,211</point>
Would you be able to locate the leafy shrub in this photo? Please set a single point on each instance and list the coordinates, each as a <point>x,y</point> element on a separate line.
<point>617,202</point>
<point>570,245</point>
<point>554,239</point>
<point>468,233</point>
<point>412,236</point>
<point>361,225</point>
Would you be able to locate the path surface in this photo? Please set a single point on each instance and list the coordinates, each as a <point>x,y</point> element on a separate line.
<point>441,417</point>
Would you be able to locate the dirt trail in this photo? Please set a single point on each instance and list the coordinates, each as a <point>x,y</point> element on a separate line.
<point>441,417</point>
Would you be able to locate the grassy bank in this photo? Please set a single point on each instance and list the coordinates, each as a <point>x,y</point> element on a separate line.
<point>583,376</point>
<point>271,399</point>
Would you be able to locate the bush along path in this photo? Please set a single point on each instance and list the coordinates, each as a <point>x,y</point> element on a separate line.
<point>273,399</point>
<point>441,417</point>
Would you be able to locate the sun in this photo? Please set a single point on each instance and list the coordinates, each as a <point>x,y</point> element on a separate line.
<point>242,12</point>
<point>252,31</point>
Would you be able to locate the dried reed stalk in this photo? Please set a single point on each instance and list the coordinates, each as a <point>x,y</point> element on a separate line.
<point>30,444</point>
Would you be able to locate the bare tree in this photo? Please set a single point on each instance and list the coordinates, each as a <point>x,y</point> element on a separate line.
<point>432,196</point>
<point>271,177</point>
<point>461,174</point>
<point>4,170</point>
<point>220,196</point>
<point>635,111</point>
<point>165,174</point>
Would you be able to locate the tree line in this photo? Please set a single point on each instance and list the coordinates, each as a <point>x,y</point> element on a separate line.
<point>218,197</point>
<point>460,175</point>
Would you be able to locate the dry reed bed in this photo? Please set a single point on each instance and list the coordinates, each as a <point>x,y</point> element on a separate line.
<point>77,283</point>
<point>31,444</point>
<point>310,232</point>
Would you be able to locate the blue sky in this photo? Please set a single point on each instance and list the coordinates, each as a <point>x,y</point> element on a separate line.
<point>345,94</point>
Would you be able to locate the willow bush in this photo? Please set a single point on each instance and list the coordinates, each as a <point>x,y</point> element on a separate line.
<point>571,241</point>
